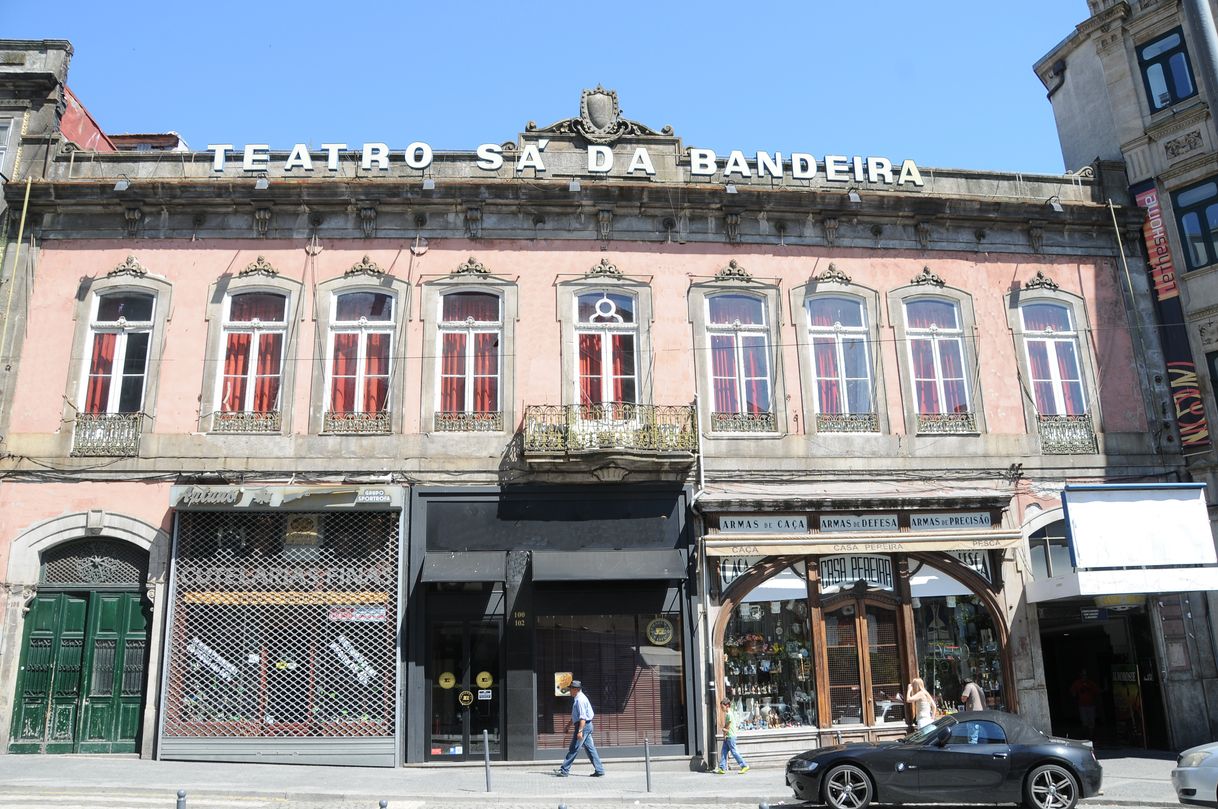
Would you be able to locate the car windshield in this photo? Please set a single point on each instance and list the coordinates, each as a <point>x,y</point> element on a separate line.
<point>923,734</point>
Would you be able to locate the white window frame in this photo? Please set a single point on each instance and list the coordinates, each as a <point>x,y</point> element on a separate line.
<point>122,327</point>
<point>604,330</point>
<point>837,331</point>
<point>937,335</point>
<point>363,327</point>
<point>737,331</point>
<point>257,328</point>
<point>469,327</point>
<point>1052,338</point>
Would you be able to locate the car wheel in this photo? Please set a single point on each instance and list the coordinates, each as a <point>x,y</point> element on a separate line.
<point>1050,786</point>
<point>847,787</point>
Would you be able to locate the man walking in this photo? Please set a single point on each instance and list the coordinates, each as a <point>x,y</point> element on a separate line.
<point>971,697</point>
<point>729,740</point>
<point>581,719</point>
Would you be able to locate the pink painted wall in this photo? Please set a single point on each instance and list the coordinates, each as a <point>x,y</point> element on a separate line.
<point>537,267</point>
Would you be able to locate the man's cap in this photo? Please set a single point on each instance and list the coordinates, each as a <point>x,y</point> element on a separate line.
<point>576,684</point>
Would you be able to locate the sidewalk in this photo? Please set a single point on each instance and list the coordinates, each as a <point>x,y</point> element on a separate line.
<point>1130,779</point>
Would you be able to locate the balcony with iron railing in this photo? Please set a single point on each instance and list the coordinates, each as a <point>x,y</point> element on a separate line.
<point>847,423</point>
<point>963,423</point>
<point>247,422</point>
<point>743,422</point>
<point>660,436</point>
<point>111,435</point>
<point>476,422</point>
<point>1067,435</point>
<point>356,422</point>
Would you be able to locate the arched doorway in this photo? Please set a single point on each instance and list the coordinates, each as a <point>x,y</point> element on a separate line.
<point>84,651</point>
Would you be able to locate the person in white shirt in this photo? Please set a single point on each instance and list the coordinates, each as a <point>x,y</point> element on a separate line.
<point>581,720</point>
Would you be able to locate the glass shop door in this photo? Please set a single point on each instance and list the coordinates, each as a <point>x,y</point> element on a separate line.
<point>465,689</point>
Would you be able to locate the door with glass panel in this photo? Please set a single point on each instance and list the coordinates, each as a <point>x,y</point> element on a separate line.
<point>863,661</point>
<point>466,690</point>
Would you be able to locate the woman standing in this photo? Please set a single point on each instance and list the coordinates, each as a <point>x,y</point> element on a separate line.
<point>923,704</point>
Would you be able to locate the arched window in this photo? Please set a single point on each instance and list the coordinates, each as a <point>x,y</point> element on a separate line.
<point>120,335</point>
<point>1050,551</point>
<point>740,364</point>
<point>361,341</point>
<point>837,333</point>
<point>469,361</point>
<point>255,324</point>
<point>607,336</point>
<point>936,351</point>
<point>1053,359</point>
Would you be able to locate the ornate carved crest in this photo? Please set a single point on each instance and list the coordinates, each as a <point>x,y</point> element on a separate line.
<point>259,266</point>
<point>829,223</point>
<point>471,267</point>
<point>927,277</point>
<point>600,120</point>
<point>604,270</point>
<point>733,272</point>
<point>1041,281</point>
<point>130,266</point>
<point>832,276</point>
<point>365,266</point>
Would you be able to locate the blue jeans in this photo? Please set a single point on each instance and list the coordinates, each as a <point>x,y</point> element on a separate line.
<point>585,743</point>
<point>729,746</point>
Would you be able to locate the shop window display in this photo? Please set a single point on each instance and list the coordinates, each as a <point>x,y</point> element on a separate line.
<point>768,658</point>
<point>956,640</point>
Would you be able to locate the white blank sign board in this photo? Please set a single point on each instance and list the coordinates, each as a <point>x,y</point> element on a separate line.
<point>1138,526</point>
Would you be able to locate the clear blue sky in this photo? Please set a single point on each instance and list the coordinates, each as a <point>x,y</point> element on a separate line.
<point>948,83</point>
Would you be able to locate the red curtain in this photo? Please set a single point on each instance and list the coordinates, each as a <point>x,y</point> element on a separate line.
<point>101,365</point>
<point>1067,368</point>
<point>726,309</point>
<point>756,374</point>
<point>1041,316</point>
<point>376,373</point>
<point>924,314</point>
<point>262,306</point>
<point>827,376</point>
<point>590,369</point>
<point>266,387</point>
<point>486,373</point>
<point>955,397</point>
<point>824,312</point>
<point>342,373</point>
<point>452,373</point>
<point>1042,386</point>
<point>460,306</point>
<point>236,372</point>
<point>622,347</point>
<point>924,376</point>
<point>723,361</point>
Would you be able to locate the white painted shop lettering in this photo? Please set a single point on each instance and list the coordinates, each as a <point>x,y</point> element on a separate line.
<point>936,522</point>
<point>763,524</point>
<point>375,155</point>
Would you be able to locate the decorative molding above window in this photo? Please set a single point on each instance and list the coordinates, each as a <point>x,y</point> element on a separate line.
<point>733,272</point>
<point>604,270</point>
<point>130,266</point>
<point>365,266</point>
<point>833,276</point>
<point>471,267</point>
<point>927,277</point>
<point>259,266</point>
<point>1041,281</point>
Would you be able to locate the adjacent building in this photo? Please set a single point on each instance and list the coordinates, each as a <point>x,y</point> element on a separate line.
<point>361,454</point>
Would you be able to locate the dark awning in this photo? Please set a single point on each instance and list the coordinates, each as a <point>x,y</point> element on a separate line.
<point>609,565</point>
<point>465,566</point>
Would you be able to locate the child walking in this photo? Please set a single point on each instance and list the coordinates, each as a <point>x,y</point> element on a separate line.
<point>729,740</point>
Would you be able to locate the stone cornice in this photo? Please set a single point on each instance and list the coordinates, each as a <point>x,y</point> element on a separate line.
<point>1169,125</point>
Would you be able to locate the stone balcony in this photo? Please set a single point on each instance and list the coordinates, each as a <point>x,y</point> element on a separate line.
<point>630,437</point>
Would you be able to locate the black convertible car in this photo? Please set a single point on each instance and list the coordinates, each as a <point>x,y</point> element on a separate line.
<point>971,757</point>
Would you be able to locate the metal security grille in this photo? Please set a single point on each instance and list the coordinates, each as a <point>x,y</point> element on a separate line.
<point>94,561</point>
<point>284,625</point>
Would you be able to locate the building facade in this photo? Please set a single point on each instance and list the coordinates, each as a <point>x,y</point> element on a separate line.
<point>1136,82</point>
<point>360,455</point>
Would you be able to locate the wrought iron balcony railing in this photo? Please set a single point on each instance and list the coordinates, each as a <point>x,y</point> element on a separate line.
<point>610,426</point>
<point>947,423</point>
<point>356,422</point>
<point>743,423</point>
<point>247,422</point>
<point>847,423</point>
<point>1067,435</point>
<point>469,422</point>
<point>115,435</point>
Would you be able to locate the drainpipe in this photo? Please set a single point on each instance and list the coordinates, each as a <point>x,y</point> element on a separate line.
<point>707,686</point>
<point>1200,18</point>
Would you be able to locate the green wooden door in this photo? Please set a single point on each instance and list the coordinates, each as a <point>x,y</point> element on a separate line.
<point>81,678</point>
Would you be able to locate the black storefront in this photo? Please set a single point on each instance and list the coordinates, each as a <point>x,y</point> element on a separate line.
<point>513,591</point>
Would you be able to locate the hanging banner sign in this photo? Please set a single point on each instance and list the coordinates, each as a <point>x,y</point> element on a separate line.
<point>839,572</point>
<point>858,522</point>
<point>1181,370</point>
<point>733,567</point>
<point>977,560</point>
<point>949,522</point>
<point>764,524</point>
